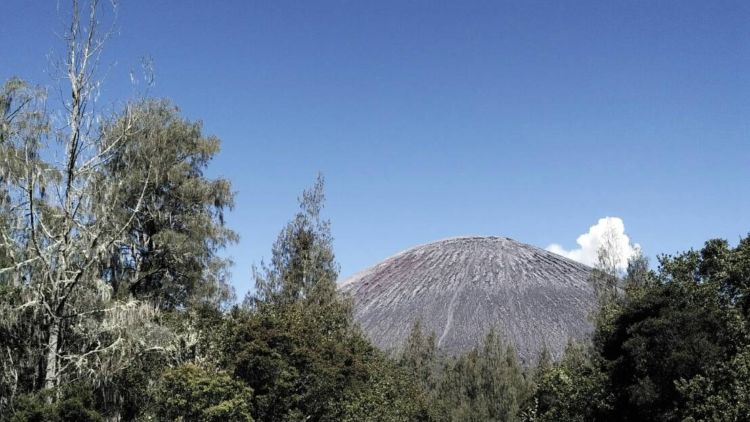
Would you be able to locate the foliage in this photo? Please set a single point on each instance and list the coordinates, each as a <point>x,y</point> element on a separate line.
<point>485,384</point>
<point>169,255</point>
<point>573,389</point>
<point>76,405</point>
<point>302,263</point>
<point>723,394</point>
<point>420,358</point>
<point>192,393</point>
<point>674,332</point>
<point>105,222</point>
<point>389,395</point>
<point>296,344</point>
<point>301,367</point>
<point>671,346</point>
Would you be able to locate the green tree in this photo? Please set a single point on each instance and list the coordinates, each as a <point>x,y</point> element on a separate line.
<point>571,390</point>
<point>723,394</point>
<point>296,344</point>
<point>74,405</point>
<point>672,346</point>
<point>298,348</point>
<point>485,384</point>
<point>303,262</point>
<point>638,272</point>
<point>673,330</point>
<point>392,394</point>
<point>420,358</point>
<point>170,252</point>
<point>191,393</point>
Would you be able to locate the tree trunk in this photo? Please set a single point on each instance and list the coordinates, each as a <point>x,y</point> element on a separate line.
<point>52,376</point>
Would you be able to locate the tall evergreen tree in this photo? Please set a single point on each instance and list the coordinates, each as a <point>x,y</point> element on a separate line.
<point>296,344</point>
<point>485,384</point>
<point>302,263</point>
<point>170,252</point>
<point>420,357</point>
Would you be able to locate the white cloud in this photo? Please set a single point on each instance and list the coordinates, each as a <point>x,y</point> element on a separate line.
<point>608,232</point>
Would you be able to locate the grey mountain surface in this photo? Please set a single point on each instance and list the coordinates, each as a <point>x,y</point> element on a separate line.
<point>461,288</point>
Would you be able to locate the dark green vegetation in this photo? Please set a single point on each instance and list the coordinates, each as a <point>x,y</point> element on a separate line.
<point>673,346</point>
<point>114,305</point>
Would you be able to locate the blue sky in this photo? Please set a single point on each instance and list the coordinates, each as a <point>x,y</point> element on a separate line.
<point>429,119</point>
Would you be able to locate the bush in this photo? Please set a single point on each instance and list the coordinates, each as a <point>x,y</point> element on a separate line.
<point>76,405</point>
<point>192,393</point>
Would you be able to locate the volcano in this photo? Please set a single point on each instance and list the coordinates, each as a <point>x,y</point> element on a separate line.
<point>461,288</point>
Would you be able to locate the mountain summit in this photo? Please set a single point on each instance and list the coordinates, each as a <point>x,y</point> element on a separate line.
<point>463,287</point>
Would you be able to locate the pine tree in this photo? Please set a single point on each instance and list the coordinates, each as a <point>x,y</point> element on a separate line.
<point>303,264</point>
<point>485,384</point>
<point>419,356</point>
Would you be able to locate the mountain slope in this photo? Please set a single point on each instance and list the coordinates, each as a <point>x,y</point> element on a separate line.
<point>460,288</point>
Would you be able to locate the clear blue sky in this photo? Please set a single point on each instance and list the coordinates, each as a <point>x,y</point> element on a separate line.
<point>527,119</point>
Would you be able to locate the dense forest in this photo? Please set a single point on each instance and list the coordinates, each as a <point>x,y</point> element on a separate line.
<point>115,302</point>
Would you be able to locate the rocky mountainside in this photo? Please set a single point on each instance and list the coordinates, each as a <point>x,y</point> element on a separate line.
<point>461,288</point>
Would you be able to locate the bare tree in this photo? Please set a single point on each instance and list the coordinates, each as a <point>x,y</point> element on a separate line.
<point>606,274</point>
<point>609,254</point>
